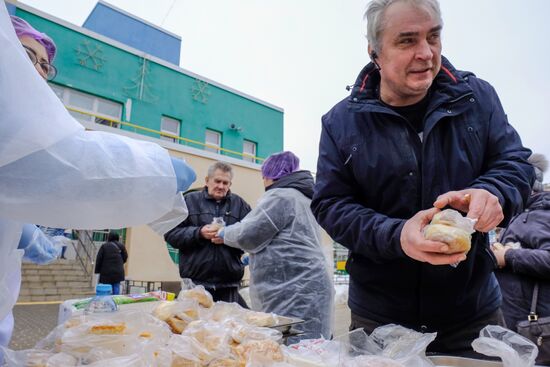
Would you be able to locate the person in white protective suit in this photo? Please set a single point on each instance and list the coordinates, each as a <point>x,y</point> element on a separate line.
<point>289,274</point>
<point>54,173</point>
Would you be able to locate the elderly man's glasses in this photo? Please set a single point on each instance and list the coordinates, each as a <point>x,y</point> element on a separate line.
<point>48,70</point>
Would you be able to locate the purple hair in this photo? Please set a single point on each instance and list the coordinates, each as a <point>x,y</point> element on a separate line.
<point>22,28</point>
<point>280,164</point>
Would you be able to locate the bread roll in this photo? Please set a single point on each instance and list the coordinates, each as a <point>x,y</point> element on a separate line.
<point>458,240</point>
<point>450,227</point>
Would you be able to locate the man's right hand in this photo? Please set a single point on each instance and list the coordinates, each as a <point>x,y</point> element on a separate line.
<point>208,232</point>
<point>417,247</point>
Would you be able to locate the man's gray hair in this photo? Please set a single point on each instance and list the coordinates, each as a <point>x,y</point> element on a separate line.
<point>375,17</point>
<point>540,163</point>
<point>222,166</point>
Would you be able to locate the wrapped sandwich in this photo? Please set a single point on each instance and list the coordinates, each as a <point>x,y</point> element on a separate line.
<point>450,227</point>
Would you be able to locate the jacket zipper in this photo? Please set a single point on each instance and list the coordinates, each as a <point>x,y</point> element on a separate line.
<point>420,305</point>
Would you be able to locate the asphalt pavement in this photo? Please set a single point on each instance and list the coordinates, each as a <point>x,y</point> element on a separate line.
<point>33,322</point>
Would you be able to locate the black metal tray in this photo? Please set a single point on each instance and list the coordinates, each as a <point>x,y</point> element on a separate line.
<point>284,324</point>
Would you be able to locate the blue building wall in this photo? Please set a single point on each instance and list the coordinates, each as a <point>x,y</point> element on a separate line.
<point>115,24</point>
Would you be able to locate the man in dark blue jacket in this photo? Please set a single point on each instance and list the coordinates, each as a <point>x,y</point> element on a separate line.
<point>414,136</point>
<point>203,257</point>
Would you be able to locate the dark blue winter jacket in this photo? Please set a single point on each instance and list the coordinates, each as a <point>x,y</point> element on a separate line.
<point>374,173</point>
<point>529,264</point>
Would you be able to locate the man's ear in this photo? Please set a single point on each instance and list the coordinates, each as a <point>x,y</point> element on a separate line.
<point>206,180</point>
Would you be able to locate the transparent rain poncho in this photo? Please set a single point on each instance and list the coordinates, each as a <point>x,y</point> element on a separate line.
<point>289,275</point>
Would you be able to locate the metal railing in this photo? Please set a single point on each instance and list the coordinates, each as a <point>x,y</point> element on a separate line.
<point>85,251</point>
<point>104,120</point>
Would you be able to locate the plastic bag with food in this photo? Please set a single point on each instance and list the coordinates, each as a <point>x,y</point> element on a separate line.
<point>177,314</point>
<point>37,357</point>
<point>450,227</point>
<point>404,346</point>
<point>258,350</point>
<point>93,338</point>
<point>186,309</point>
<point>259,360</point>
<point>187,351</point>
<point>217,223</point>
<point>373,361</point>
<point>132,360</point>
<point>259,318</point>
<point>196,292</point>
<point>222,311</point>
<point>315,352</point>
<point>211,335</point>
<point>512,348</point>
<point>242,332</point>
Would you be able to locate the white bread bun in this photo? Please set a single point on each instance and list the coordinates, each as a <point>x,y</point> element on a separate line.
<point>450,227</point>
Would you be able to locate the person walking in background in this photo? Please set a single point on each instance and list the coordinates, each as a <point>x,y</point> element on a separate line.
<point>524,266</point>
<point>289,274</point>
<point>203,258</point>
<point>417,135</point>
<point>110,262</point>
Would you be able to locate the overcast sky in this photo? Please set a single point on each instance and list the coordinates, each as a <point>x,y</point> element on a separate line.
<point>300,54</point>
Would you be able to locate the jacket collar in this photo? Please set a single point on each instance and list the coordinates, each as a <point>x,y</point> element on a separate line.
<point>449,84</point>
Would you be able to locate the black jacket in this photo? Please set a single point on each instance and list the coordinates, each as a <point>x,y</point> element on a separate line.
<point>529,264</point>
<point>208,264</point>
<point>110,262</point>
<point>374,173</point>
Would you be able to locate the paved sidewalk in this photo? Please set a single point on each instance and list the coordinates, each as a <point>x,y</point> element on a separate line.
<point>342,320</point>
<point>33,322</point>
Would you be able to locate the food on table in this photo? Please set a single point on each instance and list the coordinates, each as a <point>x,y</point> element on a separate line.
<point>112,329</point>
<point>261,319</point>
<point>200,294</point>
<point>268,349</point>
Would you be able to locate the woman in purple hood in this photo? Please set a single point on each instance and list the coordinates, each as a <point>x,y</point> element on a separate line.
<point>289,273</point>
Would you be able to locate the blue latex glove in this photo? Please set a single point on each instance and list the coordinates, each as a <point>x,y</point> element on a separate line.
<point>39,249</point>
<point>221,232</point>
<point>184,174</point>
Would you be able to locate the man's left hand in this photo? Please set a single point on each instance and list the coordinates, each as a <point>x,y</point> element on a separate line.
<point>477,203</point>
<point>217,240</point>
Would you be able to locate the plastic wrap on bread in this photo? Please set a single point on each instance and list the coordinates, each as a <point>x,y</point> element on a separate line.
<point>450,227</point>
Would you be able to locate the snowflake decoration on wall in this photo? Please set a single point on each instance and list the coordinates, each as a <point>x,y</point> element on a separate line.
<point>90,55</point>
<point>200,92</point>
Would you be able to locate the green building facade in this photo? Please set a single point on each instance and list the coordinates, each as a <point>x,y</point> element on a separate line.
<point>110,82</point>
